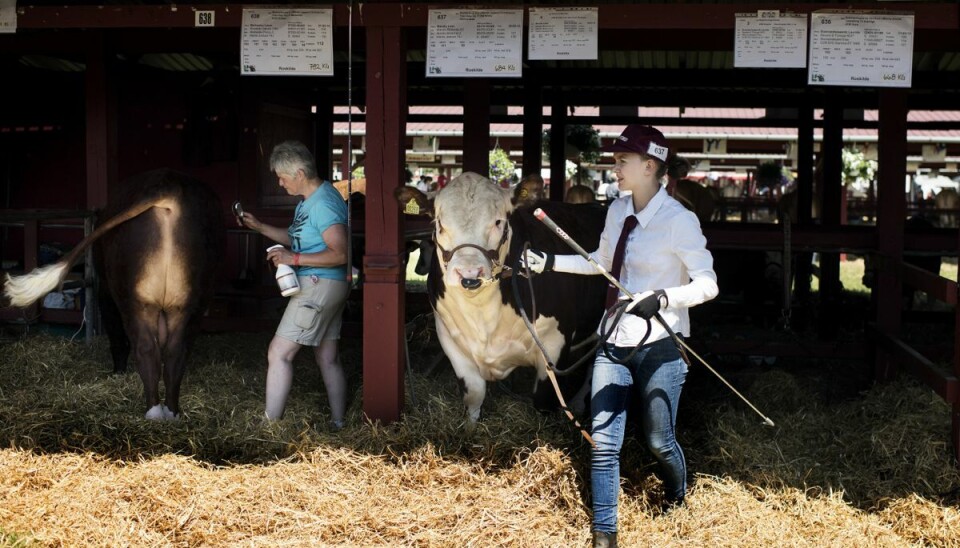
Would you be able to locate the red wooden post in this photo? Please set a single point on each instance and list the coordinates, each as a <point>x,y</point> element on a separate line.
<point>476,126</point>
<point>532,129</point>
<point>891,210</point>
<point>804,198</point>
<point>831,151</point>
<point>558,143</point>
<point>101,123</point>
<point>383,304</point>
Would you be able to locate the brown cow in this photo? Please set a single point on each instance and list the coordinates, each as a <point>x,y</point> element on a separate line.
<point>156,254</point>
<point>356,186</point>
<point>529,190</point>
<point>697,198</point>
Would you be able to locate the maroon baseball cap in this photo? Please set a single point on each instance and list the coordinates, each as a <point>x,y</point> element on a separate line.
<point>643,139</point>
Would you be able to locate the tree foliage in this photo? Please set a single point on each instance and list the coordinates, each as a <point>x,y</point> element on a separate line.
<point>581,139</point>
<point>857,169</point>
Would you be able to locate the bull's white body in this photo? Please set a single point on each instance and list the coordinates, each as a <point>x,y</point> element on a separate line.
<point>486,340</point>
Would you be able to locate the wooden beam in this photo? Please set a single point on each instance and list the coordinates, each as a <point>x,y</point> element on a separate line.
<point>383,303</point>
<point>945,384</point>
<point>558,140</point>
<point>891,210</point>
<point>665,16</point>
<point>476,125</point>
<point>532,129</point>
<point>101,131</point>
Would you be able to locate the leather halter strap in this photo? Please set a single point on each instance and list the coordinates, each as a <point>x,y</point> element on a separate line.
<point>492,254</point>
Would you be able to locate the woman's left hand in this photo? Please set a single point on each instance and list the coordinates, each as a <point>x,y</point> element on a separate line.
<point>281,256</point>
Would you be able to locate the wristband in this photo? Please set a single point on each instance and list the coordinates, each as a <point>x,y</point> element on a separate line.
<point>296,259</point>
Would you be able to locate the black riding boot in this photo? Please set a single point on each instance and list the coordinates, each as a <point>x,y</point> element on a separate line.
<point>604,540</point>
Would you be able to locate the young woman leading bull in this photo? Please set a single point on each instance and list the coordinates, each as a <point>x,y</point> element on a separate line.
<point>656,248</point>
<point>318,251</point>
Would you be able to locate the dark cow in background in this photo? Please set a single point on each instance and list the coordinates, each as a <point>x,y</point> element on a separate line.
<point>478,232</point>
<point>156,254</point>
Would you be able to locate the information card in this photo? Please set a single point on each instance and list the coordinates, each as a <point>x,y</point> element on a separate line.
<point>850,48</point>
<point>562,33</point>
<point>8,16</point>
<point>475,43</point>
<point>770,39</point>
<point>297,42</point>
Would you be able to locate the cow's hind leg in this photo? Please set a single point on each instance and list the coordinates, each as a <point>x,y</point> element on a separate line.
<point>174,356</point>
<point>142,329</point>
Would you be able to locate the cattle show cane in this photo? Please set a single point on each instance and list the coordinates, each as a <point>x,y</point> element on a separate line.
<point>682,346</point>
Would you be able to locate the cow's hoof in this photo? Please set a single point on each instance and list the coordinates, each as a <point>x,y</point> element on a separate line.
<point>161,413</point>
<point>155,413</point>
<point>170,415</point>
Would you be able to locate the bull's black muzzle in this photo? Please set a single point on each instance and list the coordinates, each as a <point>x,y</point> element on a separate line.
<point>471,283</point>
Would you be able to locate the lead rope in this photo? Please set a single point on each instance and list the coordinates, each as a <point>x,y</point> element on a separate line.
<point>543,351</point>
<point>552,371</point>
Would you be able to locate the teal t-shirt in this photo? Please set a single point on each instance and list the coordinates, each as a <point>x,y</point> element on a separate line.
<point>323,209</point>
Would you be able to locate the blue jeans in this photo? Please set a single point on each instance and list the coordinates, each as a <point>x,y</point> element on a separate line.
<point>655,377</point>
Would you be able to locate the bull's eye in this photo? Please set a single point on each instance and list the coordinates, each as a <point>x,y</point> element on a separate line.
<point>499,222</point>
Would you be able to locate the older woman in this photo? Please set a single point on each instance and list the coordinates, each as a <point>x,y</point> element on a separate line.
<point>317,242</point>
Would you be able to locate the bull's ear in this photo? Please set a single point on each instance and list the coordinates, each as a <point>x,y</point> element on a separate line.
<point>412,201</point>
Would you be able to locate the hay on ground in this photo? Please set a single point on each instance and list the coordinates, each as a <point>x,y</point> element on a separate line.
<point>81,466</point>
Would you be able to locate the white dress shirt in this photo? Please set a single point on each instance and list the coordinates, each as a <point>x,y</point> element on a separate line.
<point>666,251</point>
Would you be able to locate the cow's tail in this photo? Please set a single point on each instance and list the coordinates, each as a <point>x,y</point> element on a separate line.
<point>22,291</point>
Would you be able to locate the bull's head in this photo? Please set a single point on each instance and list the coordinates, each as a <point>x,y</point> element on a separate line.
<point>471,228</point>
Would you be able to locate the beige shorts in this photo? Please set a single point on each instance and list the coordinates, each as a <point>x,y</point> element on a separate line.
<point>314,314</point>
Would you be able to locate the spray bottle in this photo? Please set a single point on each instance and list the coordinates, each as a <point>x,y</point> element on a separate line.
<point>286,276</point>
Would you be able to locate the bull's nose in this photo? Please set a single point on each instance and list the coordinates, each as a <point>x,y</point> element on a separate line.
<point>470,283</point>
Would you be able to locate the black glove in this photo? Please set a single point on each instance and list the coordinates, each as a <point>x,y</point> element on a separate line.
<point>648,303</point>
<point>537,261</point>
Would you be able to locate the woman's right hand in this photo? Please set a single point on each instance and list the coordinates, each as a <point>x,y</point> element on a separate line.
<point>250,221</point>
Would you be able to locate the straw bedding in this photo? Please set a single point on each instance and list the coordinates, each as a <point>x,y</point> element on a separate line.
<point>81,467</point>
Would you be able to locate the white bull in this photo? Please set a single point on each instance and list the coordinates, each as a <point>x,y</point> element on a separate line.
<point>478,232</point>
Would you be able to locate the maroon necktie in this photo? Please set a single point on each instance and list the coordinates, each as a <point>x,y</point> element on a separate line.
<point>628,225</point>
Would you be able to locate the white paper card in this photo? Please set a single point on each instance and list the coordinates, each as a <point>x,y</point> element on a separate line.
<point>562,33</point>
<point>296,42</point>
<point>8,16</point>
<point>849,48</point>
<point>770,39</point>
<point>484,43</point>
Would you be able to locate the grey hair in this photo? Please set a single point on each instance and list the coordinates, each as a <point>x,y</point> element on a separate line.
<point>290,156</point>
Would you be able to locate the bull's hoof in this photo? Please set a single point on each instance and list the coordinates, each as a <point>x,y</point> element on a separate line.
<point>161,413</point>
<point>471,283</point>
